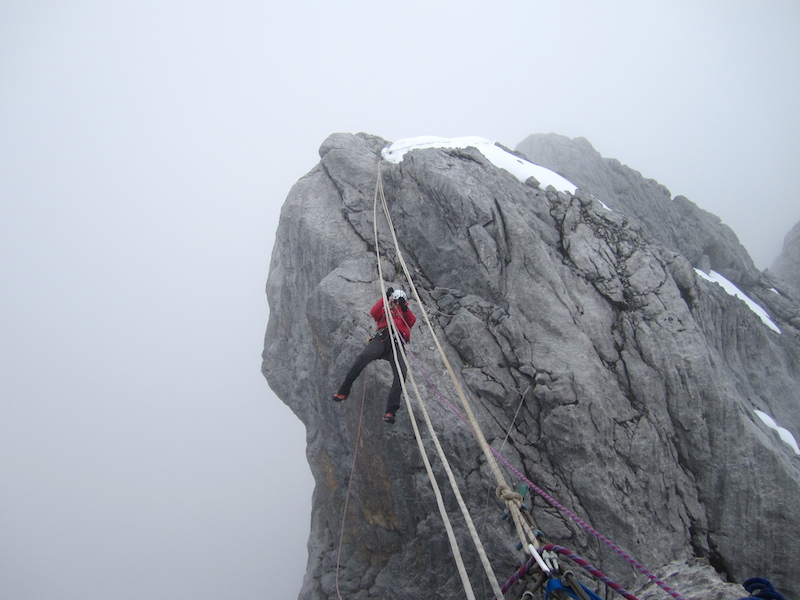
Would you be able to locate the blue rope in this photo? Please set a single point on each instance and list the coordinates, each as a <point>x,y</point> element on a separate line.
<point>555,584</point>
<point>761,589</point>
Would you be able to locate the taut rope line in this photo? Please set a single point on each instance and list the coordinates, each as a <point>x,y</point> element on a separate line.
<point>442,455</point>
<point>553,502</point>
<point>394,339</point>
<point>513,501</point>
<point>453,483</point>
<point>526,534</point>
<point>349,484</point>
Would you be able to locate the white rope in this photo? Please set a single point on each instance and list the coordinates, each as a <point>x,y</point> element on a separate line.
<point>442,455</point>
<point>529,539</point>
<point>455,487</point>
<point>462,571</point>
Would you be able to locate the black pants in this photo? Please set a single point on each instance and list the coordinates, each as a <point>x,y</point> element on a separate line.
<point>379,347</point>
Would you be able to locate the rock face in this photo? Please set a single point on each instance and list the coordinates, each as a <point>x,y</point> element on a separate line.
<point>596,361</point>
<point>675,222</point>
<point>787,265</point>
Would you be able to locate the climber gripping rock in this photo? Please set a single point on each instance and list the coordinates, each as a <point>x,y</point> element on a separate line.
<point>382,346</point>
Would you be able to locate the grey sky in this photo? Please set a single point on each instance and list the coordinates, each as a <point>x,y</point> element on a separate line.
<point>145,151</point>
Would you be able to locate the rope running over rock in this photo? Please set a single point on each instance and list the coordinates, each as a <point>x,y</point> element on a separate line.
<point>525,532</point>
<point>553,502</point>
<point>350,484</point>
<point>527,536</point>
<point>398,344</point>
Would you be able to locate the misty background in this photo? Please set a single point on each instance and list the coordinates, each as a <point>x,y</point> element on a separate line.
<point>145,151</point>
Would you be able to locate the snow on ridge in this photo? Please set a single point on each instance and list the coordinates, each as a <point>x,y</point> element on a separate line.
<point>784,433</point>
<point>726,285</point>
<point>519,167</point>
<point>603,204</point>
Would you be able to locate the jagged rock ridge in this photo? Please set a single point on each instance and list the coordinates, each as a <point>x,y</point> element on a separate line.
<point>676,222</point>
<point>787,265</point>
<point>633,382</point>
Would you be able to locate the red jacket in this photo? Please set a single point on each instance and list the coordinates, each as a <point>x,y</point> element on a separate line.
<point>404,320</point>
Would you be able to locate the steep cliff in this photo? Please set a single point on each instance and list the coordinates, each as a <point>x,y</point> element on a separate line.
<point>787,265</point>
<point>598,362</point>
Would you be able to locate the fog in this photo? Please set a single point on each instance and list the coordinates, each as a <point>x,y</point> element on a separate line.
<point>145,151</point>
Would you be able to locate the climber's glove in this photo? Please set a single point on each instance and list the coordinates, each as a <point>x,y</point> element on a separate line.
<point>402,303</point>
<point>389,293</point>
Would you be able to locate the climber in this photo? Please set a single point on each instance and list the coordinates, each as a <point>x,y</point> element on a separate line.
<point>381,346</point>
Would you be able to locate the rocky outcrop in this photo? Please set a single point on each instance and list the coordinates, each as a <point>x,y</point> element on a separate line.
<point>787,265</point>
<point>697,576</point>
<point>676,222</point>
<point>597,363</point>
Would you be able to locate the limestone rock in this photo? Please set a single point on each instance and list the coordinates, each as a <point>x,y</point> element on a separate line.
<point>697,577</point>
<point>787,265</point>
<point>596,362</point>
<point>675,222</point>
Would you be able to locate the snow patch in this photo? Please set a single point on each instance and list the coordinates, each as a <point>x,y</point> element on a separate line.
<point>784,433</point>
<point>603,204</point>
<point>519,167</point>
<point>726,285</point>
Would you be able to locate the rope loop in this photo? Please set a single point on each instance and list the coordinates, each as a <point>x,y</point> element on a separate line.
<point>507,495</point>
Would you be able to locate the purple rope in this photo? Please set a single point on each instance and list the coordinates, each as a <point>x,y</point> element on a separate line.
<point>596,573</point>
<point>522,572</point>
<point>435,390</point>
<point>619,551</point>
<point>553,502</point>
